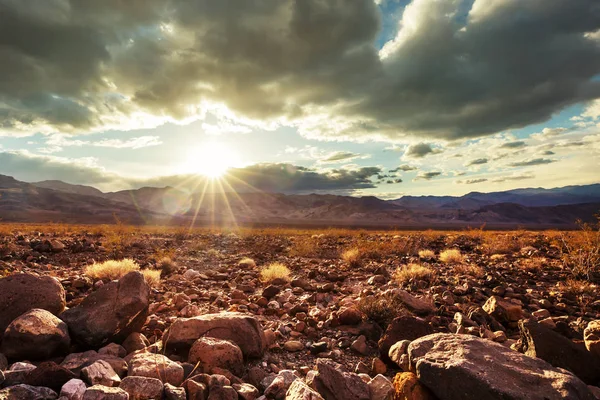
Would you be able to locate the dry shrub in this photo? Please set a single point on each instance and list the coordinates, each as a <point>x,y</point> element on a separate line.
<point>247,262</point>
<point>533,264</point>
<point>167,265</point>
<point>577,287</point>
<point>352,257</point>
<point>580,251</point>
<point>426,254</point>
<point>413,272</point>
<point>213,253</point>
<point>504,243</point>
<point>275,271</point>
<point>469,269</point>
<point>152,277</point>
<point>382,308</point>
<point>307,247</point>
<point>451,256</point>
<point>111,269</point>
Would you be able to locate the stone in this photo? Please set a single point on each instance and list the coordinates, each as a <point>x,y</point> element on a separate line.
<point>503,310</point>
<point>135,341</point>
<point>397,350</point>
<point>111,313</point>
<point>100,373</point>
<point>27,392</point>
<point>293,345</point>
<point>99,392</point>
<point>156,366</point>
<point>280,385</point>
<point>299,390</point>
<point>464,367</point>
<point>350,316</point>
<point>174,392</point>
<point>76,361</point>
<point>57,246</point>
<point>73,389</point>
<point>20,293</point>
<point>333,384</point>
<point>142,388</point>
<point>222,393</point>
<point>418,305</point>
<point>49,374</point>
<point>360,345</point>
<point>246,391</point>
<point>17,373</point>
<point>196,390</point>
<point>378,367</point>
<point>211,352</point>
<point>591,337</point>
<point>402,328</point>
<point>381,388</point>
<point>542,342</point>
<point>113,349</point>
<point>406,386</point>
<point>270,291</point>
<point>35,335</point>
<point>244,330</point>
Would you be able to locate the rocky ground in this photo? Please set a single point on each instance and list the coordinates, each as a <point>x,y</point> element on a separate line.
<point>510,319</point>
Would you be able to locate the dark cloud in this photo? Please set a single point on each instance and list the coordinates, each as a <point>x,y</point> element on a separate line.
<point>264,177</point>
<point>428,175</point>
<point>513,145</point>
<point>76,65</point>
<point>531,162</point>
<point>478,161</point>
<point>420,150</point>
<point>404,168</point>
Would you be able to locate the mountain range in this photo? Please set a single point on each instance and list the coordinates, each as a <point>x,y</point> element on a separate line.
<point>57,201</point>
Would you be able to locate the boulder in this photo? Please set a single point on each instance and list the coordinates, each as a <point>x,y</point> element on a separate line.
<point>99,392</point>
<point>244,330</point>
<point>464,367</point>
<point>407,387</point>
<point>142,388</point>
<point>35,335</point>
<point>503,310</point>
<point>299,390</point>
<point>111,313</point>
<point>100,373</point>
<point>405,327</point>
<point>27,392</point>
<point>20,293</point>
<point>540,341</point>
<point>49,374</point>
<point>211,352</point>
<point>135,341</point>
<point>73,389</point>
<point>246,391</point>
<point>174,392</point>
<point>591,336</point>
<point>156,366</point>
<point>381,388</point>
<point>333,384</point>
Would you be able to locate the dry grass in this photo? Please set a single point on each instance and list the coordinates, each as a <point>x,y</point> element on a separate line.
<point>305,246</point>
<point>167,265</point>
<point>352,257</point>
<point>451,256</point>
<point>426,254</point>
<point>577,288</point>
<point>247,262</point>
<point>152,277</point>
<point>469,269</point>
<point>275,271</point>
<point>413,272</point>
<point>382,308</point>
<point>580,251</point>
<point>111,269</point>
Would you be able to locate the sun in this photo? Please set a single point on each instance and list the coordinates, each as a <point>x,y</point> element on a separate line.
<point>211,160</point>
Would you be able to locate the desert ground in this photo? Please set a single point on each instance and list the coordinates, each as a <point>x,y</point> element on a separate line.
<point>122,312</point>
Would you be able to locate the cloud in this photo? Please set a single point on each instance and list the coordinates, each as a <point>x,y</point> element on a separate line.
<point>267,177</point>
<point>514,145</point>
<point>338,156</point>
<point>452,71</point>
<point>478,161</point>
<point>404,168</point>
<point>427,175</point>
<point>472,181</point>
<point>57,141</point>
<point>519,177</point>
<point>547,133</point>
<point>531,162</point>
<point>420,150</point>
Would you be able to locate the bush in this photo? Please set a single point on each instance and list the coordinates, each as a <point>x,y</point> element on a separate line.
<point>469,269</point>
<point>167,265</point>
<point>275,271</point>
<point>451,256</point>
<point>382,309</point>
<point>152,277</point>
<point>247,263</point>
<point>413,272</point>
<point>352,257</point>
<point>111,269</point>
<point>426,254</point>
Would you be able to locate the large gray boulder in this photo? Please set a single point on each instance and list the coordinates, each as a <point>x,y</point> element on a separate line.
<point>35,335</point>
<point>20,293</point>
<point>111,313</point>
<point>464,367</point>
<point>241,329</point>
<point>542,342</point>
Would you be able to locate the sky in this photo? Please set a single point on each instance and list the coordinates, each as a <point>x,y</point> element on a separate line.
<point>368,97</point>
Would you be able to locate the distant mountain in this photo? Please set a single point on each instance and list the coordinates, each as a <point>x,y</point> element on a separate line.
<point>62,202</point>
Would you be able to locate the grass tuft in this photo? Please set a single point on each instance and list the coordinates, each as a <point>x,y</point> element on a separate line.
<point>247,263</point>
<point>352,257</point>
<point>167,265</point>
<point>152,277</point>
<point>275,271</point>
<point>451,256</point>
<point>413,272</point>
<point>111,269</point>
<point>426,254</point>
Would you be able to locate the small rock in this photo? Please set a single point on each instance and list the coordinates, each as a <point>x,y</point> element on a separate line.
<point>142,388</point>
<point>99,392</point>
<point>333,384</point>
<point>503,310</point>
<point>216,353</point>
<point>360,345</point>
<point>293,346</point>
<point>381,388</point>
<point>174,392</point>
<point>591,336</point>
<point>73,389</point>
<point>299,390</point>
<point>49,374</point>
<point>100,373</point>
<point>156,366</point>
<point>26,392</point>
